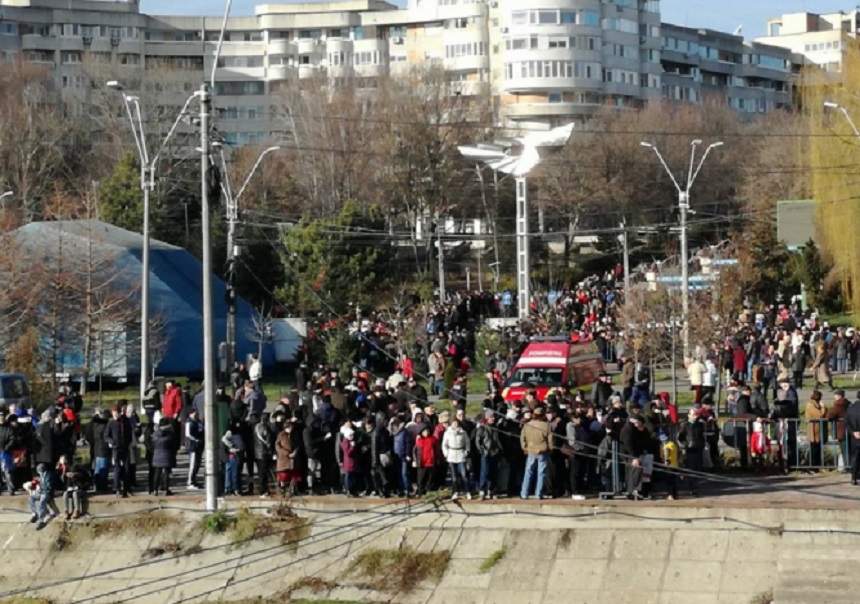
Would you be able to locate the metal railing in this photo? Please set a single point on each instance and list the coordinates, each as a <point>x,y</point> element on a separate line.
<point>789,444</point>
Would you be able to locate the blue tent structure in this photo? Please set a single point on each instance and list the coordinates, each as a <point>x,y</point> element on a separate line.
<point>176,299</point>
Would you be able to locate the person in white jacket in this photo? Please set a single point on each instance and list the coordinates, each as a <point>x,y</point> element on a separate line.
<point>455,448</point>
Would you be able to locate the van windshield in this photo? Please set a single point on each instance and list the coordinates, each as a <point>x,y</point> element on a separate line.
<point>537,376</point>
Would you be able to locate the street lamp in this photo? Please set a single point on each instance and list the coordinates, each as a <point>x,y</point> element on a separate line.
<point>232,252</point>
<point>684,207</point>
<point>838,107</point>
<point>519,166</point>
<point>147,184</point>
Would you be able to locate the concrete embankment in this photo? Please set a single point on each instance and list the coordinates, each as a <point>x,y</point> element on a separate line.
<point>371,551</point>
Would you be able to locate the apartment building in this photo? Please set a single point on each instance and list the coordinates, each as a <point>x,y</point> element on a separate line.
<point>544,61</point>
<point>700,63</point>
<point>819,39</point>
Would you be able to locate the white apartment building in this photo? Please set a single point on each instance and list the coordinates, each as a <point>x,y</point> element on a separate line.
<point>544,61</point>
<point>819,39</point>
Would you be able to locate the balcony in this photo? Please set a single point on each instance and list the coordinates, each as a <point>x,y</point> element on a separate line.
<point>309,46</point>
<point>467,63</point>
<point>309,71</point>
<point>370,71</point>
<point>281,47</point>
<point>38,42</point>
<point>281,72</point>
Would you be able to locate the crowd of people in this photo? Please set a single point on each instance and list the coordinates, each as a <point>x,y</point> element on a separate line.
<point>398,424</point>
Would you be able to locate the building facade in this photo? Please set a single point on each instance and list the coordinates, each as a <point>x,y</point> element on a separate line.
<point>543,61</point>
<point>819,39</point>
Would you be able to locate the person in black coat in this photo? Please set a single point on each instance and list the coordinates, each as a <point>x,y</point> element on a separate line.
<point>119,436</point>
<point>7,443</point>
<point>47,437</point>
<point>164,441</point>
<point>264,449</point>
<point>692,438</point>
<point>852,426</point>
<point>636,444</point>
<point>94,432</point>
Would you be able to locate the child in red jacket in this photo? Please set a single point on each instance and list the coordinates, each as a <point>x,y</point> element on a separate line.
<point>424,457</point>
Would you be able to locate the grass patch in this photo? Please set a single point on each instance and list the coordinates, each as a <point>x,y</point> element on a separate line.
<point>216,523</point>
<point>64,540</point>
<point>763,598</point>
<point>493,559</point>
<point>247,526</point>
<point>169,547</point>
<point>400,570</point>
<point>142,525</point>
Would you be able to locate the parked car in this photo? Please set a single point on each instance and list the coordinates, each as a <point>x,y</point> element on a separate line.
<point>14,390</point>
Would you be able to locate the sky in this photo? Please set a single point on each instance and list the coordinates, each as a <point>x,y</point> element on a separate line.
<point>722,15</point>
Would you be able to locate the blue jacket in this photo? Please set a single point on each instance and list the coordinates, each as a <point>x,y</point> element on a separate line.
<point>403,443</point>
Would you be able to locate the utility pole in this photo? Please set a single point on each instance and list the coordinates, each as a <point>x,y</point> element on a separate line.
<point>232,205</point>
<point>523,264</point>
<point>210,422</point>
<point>480,280</point>
<point>440,257</point>
<point>625,244</point>
<point>468,279</point>
<point>684,208</point>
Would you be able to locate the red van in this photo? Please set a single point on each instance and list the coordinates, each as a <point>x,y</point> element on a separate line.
<point>548,363</point>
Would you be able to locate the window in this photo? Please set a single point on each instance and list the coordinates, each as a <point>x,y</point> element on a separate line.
<point>8,28</point>
<point>239,88</point>
<point>129,59</point>
<point>547,17</point>
<point>70,57</point>
<point>554,97</point>
<point>558,42</point>
<point>589,17</point>
<point>775,29</point>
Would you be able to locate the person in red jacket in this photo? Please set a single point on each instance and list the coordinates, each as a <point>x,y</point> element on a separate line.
<point>350,462</point>
<point>171,404</point>
<point>424,458</point>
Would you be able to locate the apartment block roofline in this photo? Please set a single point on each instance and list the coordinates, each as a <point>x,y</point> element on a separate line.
<point>118,6</point>
<point>324,7</point>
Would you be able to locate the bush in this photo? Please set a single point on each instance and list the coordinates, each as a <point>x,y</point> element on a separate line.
<point>400,570</point>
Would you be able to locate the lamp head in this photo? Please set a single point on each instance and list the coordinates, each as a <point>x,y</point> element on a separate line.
<point>831,105</point>
<point>695,142</point>
<point>646,145</point>
<point>114,85</point>
<point>717,144</point>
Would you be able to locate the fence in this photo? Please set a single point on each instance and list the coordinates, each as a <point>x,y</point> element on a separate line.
<point>820,444</point>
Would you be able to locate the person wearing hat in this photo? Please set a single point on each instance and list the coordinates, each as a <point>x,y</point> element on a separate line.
<point>536,442</point>
<point>602,391</point>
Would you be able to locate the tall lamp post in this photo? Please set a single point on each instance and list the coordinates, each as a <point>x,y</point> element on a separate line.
<point>684,207</point>
<point>844,111</point>
<point>519,166</point>
<point>147,184</point>
<point>232,251</point>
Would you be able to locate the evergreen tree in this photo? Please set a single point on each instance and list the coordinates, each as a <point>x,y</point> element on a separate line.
<point>332,262</point>
<point>120,197</point>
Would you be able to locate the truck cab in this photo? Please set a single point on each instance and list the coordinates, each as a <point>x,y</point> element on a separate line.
<point>552,364</point>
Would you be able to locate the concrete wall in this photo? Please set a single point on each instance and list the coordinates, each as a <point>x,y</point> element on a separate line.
<point>555,553</point>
